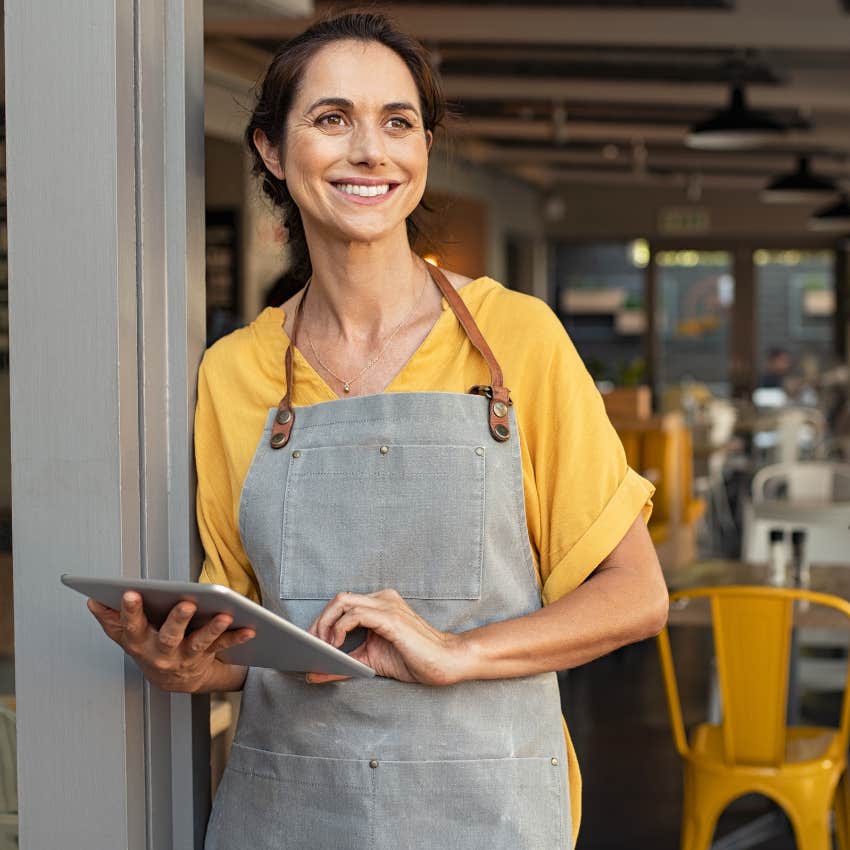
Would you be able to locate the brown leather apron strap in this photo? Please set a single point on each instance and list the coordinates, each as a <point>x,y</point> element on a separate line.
<point>285,417</point>
<point>498,394</point>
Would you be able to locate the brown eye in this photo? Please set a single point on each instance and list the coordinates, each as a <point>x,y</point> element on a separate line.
<point>399,123</point>
<point>332,119</point>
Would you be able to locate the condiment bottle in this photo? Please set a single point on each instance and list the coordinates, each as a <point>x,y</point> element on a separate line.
<point>802,570</point>
<point>778,558</point>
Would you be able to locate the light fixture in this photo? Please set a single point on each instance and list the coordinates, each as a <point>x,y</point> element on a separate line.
<point>735,128</point>
<point>799,187</point>
<point>832,219</point>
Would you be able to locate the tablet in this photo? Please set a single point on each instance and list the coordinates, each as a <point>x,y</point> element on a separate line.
<point>278,644</point>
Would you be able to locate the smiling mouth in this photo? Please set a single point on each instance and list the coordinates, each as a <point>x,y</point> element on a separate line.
<point>361,191</point>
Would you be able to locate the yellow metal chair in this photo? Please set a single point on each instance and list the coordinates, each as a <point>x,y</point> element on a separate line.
<point>752,750</point>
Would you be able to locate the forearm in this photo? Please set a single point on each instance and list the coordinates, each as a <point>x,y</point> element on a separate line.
<point>619,604</point>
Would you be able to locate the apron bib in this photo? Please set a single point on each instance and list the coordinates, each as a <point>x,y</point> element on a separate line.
<point>421,492</point>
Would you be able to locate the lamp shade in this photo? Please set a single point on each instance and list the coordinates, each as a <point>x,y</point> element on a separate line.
<point>799,187</point>
<point>735,128</point>
<point>832,219</point>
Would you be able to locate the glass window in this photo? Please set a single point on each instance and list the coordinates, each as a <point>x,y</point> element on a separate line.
<point>600,300</point>
<point>696,293</point>
<point>795,293</point>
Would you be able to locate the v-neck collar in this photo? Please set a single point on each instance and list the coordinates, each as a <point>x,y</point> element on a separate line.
<point>317,380</point>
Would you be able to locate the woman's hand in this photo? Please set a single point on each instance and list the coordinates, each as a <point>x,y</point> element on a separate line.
<point>399,643</point>
<point>168,657</point>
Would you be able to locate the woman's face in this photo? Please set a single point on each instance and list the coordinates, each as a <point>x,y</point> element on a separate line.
<point>355,152</point>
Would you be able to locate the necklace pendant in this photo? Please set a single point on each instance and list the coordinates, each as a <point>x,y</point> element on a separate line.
<point>346,387</point>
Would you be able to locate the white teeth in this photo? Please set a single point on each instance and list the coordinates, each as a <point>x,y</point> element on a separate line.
<point>364,191</point>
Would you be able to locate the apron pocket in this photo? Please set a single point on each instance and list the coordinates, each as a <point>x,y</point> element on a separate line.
<point>353,520</point>
<point>487,804</point>
<point>272,801</point>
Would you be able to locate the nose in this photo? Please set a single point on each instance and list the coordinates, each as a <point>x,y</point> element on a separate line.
<point>367,145</point>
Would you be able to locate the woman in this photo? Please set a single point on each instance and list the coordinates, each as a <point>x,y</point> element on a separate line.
<point>381,494</point>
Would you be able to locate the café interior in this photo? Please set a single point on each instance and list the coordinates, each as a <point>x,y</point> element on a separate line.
<point>673,178</point>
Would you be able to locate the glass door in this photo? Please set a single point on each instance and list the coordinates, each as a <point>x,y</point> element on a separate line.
<point>695,298</point>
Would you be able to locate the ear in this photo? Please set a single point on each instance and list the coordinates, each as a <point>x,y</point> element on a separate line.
<point>269,153</point>
<point>429,140</point>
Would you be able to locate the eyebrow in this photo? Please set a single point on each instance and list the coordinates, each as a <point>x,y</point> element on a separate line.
<point>344,103</point>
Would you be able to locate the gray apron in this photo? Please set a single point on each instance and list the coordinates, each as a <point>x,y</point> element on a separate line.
<point>421,492</point>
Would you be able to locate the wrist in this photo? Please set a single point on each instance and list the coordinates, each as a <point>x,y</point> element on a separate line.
<point>221,676</point>
<point>466,649</point>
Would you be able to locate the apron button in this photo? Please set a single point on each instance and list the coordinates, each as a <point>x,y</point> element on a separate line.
<point>278,440</point>
<point>384,450</point>
<point>283,416</point>
<point>500,409</point>
<point>373,764</point>
<point>480,451</point>
<point>554,762</point>
<point>296,454</point>
<point>502,431</point>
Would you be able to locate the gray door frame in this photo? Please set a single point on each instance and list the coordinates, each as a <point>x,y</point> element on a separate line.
<point>104,107</point>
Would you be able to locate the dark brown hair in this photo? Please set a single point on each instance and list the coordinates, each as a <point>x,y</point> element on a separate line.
<point>277,91</point>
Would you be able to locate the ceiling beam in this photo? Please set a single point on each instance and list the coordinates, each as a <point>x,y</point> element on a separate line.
<point>764,24</point>
<point>551,179</point>
<point>833,136</point>
<point>708,96</point>
<point>765,164</point>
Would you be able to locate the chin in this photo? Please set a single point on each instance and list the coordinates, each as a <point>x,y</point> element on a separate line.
<point>364,233</point>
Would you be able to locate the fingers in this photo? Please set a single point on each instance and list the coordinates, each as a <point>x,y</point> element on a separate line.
<point>134,623</point>
<point>203,638</point>
<point>234,638</point>
<point>109,619</point>
<point>324,625</point>
<point>324,678</point>
<point>173,630</point>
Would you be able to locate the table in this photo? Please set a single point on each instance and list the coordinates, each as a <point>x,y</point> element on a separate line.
<point>824,579</point>
<point>805,511</point>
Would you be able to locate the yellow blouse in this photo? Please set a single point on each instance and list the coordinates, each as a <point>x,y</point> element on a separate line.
<point>580,495</point>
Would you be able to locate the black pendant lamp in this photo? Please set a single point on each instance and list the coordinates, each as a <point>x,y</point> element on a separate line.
<point>832,219</point>
<point>799,187</point>
<point>735,128</point>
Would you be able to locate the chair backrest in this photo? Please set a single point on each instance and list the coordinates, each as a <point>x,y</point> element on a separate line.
<point>813,480</point>
<point>752,643</point>
<point>8,763</point>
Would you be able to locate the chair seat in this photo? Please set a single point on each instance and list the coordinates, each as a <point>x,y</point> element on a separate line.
<point>804,745</point>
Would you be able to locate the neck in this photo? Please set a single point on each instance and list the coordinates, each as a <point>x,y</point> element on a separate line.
<point>361,290</point>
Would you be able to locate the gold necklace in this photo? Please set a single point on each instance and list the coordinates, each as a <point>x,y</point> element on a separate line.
<point>346,384</point>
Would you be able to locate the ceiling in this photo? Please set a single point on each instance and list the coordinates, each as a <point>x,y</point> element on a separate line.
<point>603,91</point>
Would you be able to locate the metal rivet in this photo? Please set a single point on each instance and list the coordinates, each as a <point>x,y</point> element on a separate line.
<point>278,440</point>
<point>283,416</point>
<point>374,763</point>
<point>480,451</point>
<point>554,762</point>
<point>502,431</point>
<point>296,454</point>
<point>500,409</point>
<point>384,449</point>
